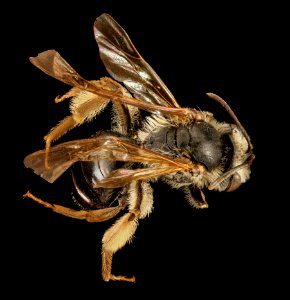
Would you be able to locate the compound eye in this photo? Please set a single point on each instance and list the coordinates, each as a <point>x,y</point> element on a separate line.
<point>234,183</point>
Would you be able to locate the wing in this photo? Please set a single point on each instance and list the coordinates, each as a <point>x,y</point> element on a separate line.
<point>125,64</point>
<point>51,63</point>
<point>54,65</point>
<point>122,177</point>
<point>108,147</point>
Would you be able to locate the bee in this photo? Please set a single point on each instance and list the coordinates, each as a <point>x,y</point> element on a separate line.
<point>151,138</point>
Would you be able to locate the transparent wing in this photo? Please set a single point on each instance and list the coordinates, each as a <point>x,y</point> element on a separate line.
<point>108,147</point>
<point>125,64</point>
<point>54,65</point>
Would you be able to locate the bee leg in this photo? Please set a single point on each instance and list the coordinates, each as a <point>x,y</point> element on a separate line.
<point>140,205</point>
<point>114,239</point>
<point>99,215</point>
<point>84,106</point>
<point>197,201</point>
<point>65,125</point>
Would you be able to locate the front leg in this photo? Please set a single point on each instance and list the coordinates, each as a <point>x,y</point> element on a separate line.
<point>140,205</point>
<point>195,198</point>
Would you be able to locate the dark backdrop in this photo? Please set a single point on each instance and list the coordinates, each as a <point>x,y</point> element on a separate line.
<point>194,49</point>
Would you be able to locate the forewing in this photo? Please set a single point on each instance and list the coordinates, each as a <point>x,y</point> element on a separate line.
<point>107,146</point>
<point>60,158</point>
<point>54,65</point>
<point>125,64</point>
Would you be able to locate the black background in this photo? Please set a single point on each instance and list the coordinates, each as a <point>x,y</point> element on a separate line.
<point>194,49</point>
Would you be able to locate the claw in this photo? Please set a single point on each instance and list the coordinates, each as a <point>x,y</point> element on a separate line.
<point>36,199</point>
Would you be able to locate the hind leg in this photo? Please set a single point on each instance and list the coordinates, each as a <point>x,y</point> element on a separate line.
<point>98,215</point>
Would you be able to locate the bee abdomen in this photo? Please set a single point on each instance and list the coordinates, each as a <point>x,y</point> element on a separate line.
<point>84,175</point>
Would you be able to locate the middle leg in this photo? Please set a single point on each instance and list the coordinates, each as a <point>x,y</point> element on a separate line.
<point>140,205</point>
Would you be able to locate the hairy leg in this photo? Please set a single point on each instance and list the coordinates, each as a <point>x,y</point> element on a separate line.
<point>140,205</point>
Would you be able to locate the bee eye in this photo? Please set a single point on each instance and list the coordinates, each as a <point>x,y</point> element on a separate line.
<point>235,182</point>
